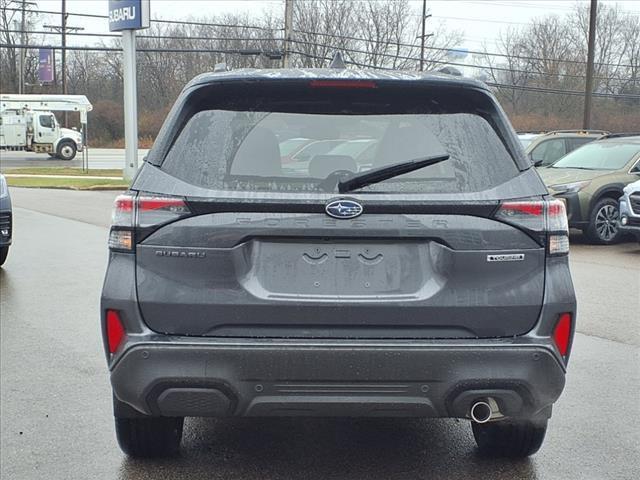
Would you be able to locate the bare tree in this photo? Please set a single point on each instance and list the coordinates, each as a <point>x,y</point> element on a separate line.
<point>10,19</point>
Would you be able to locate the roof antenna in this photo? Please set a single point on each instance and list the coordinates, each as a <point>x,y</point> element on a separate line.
<point>337,62</point>
<point>450,71</point>
<point>220,67</point>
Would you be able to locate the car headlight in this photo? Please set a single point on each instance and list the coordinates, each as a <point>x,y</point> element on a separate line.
<point>570,187</point>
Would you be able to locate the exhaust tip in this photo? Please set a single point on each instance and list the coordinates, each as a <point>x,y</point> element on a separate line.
<point>481,412</point>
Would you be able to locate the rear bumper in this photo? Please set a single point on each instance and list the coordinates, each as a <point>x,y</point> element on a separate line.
<point>232,377</point>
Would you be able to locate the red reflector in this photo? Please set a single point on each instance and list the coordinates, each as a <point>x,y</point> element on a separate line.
<point>115,330</point>
<point>343,84</point>
<point>562,333</point>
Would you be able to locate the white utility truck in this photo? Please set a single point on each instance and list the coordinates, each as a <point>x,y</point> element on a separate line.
<point>27,123</point>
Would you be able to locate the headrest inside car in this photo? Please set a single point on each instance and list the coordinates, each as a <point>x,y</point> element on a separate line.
<point>321,166</point>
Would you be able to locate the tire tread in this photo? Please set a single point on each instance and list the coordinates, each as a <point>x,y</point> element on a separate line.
<point>514,439</point>
<point>149,437</point>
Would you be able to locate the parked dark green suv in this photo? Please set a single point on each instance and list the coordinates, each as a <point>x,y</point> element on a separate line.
<point>591,179</point>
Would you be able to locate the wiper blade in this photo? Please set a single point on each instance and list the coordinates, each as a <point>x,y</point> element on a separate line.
<point>377,175</point>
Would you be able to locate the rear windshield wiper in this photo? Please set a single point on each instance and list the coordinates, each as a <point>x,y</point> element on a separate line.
<point>375,175</point>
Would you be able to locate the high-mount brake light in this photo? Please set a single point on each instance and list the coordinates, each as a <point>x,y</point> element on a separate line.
<point>144,211</point>
<point>543,217</point>
<point>342,84</point>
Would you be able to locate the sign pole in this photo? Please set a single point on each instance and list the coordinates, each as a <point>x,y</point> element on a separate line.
<point>127,16</point>
<point>130,104</point>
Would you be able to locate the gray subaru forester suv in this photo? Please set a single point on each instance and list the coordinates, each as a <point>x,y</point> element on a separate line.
<point>428,278</point>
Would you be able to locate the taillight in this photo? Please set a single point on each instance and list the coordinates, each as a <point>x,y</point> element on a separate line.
<point>142,211</point>
<point>543,217</point>
<point>115,330</point>
<point>156,210</point>
<point>562,334</point>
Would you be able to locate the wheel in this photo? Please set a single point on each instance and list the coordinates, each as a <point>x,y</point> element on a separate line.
<point>4,251</point>
<point>603,226</point>
<point>149,437</point>
<point>66,150</point>
<point>509,438</point>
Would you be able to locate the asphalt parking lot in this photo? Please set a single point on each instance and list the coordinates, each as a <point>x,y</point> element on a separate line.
<point>56,420</point>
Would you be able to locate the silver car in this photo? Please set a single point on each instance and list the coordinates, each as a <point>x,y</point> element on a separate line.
<point>630,209</point>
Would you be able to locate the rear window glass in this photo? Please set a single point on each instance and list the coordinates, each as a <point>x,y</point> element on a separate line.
<point>251,151</point>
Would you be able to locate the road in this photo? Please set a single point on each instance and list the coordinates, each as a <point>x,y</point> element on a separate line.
<point>99,159</point>
<point>55,407</point>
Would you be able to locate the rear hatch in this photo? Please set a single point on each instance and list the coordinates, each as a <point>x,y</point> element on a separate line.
<point>260,247</point>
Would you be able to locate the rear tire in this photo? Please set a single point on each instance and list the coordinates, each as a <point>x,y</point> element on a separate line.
<point>149,437</point>
<point>509,438</point>
<point>603,226</point>
<point>66,150</point>
<point>4,251</point>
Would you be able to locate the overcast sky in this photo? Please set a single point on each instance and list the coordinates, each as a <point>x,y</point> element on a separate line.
<point>479,20</point>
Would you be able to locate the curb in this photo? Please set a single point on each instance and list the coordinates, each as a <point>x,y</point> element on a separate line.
<point>114,188</point>
<point>67,177</point>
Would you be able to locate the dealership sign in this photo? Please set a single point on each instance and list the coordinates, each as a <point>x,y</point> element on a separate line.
<point>46,70</point>
<point>128,14</point>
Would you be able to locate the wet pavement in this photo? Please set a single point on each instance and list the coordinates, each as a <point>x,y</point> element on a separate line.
<point>98,158</point>
<point>55,409</point>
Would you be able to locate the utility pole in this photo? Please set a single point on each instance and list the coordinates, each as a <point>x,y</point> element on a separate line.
<point>424,34</point>
<point>63,29</point>
<point>23,30</point>
<point>22,50</point>
<point>588,90</point>
<point>288,33</point>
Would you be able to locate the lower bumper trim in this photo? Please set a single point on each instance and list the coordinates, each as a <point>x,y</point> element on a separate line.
<point>302,380</point>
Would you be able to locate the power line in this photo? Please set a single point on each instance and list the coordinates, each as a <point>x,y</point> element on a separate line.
<point>563,92</point>
<point>354,50</point>
<point>473,52</point>
<point>240,51</point>
<point>168,37</point>
<point>250,52</point>
<point>256,27</point>
<point>503,85</point>
<point>157,20</point>
<point>457,64</point>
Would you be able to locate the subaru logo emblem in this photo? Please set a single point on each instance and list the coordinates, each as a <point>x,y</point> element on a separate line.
<point>343,209</point>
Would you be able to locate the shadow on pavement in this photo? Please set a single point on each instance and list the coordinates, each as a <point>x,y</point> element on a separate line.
<point>328,448</point>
